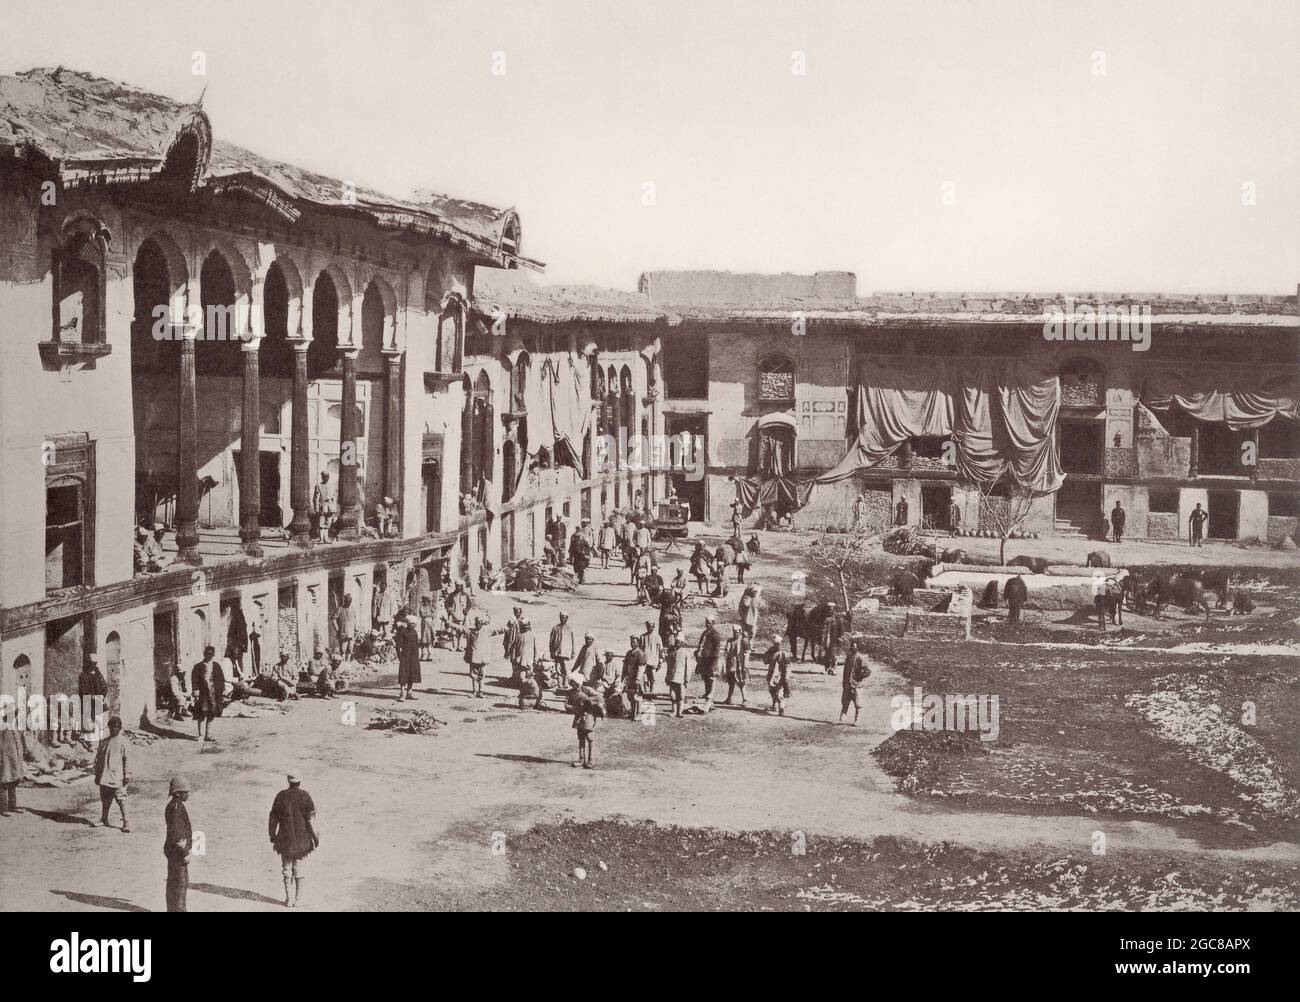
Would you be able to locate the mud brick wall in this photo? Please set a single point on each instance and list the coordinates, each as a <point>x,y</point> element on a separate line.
<point>1280,526</point>
<point>937,626</point>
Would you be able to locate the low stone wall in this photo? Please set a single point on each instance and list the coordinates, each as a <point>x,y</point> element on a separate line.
<point>1162,525</point>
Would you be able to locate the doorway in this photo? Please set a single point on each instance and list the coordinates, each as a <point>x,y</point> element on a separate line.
<point>164,649</point>
<point>1224,507</point>
<point>936,500</point>
<point>431,494</point>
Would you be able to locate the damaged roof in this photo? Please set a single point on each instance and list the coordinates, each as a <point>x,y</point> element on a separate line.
<point>832,295</point>
<point>91,130</point>
<point>500,292</point>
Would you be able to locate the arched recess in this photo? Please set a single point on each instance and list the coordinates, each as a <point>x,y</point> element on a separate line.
<point>627,401</point>
<point>158,281</point>
<point>112,657</point>
<point>224,298</point>
<point>80,281</point>
<point>329,294</point>
<point>451,334</point>
<point>484,437</point>
<point>378,318</point>
<point>281,318</point>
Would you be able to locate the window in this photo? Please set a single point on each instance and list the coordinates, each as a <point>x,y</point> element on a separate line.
<point>518,384</point>
<point>1083,384</point>
<point>929,447</point>
<point>451,331</point>
<point>1162,501</point>
<point>79,284</point>
<point>1285,505</point>
<point>1280,439</point>
<point>64,534</point>
<point>776,378</point>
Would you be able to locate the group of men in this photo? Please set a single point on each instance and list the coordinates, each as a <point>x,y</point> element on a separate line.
<point>148,555</point>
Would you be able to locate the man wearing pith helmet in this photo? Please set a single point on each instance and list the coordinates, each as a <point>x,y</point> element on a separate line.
<point>178,844</point>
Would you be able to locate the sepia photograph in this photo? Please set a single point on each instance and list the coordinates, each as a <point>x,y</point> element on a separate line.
<point>649,455</point>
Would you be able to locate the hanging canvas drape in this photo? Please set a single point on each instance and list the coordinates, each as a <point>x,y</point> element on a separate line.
<point>558,401</point>
<point>1001,416</point>
<point>1241,402</point>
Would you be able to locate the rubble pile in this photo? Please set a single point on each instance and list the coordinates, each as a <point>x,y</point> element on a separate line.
<point>416,722</point>
<point>59,765</point>
<point>536,575</point>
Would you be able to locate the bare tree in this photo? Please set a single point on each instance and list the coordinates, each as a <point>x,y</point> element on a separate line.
<point>1002,514</point>
<point>843,549</point>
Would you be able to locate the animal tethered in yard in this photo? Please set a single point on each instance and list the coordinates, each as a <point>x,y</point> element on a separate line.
<point>1108,599</point>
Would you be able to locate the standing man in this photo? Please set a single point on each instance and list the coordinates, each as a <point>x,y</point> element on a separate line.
<point>1196,524</point>
<point>778,683</point>
<point>580,556</point>
<point>707,652</point>
<point>293,835</point>
<point>178,843</point>
<point>608,540</point>
<point>476,656</point>
<point>856,672</point>
<point>508,641</point>
<point>13,749</point>
<point>587,658</point>
<point>562,646</point>
<point>652,649</point>
<point>860,511</point>
<point>324,504</point>
<point>736,661</point>
<point>345,624</point>
<point>900,512</point>
<point>954,516</point>
<point>408,656</point>
<point>735,518</point>
<point>208,684</point>
<point>110,773</point>
<point>525,650</point>
<point>92,692</point>
<point>633,667</point>
<point>679,672</point>
<point>1117,519</point>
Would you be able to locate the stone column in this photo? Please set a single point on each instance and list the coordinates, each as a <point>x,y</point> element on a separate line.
<point>348,519</point>
<point>187,472</point>
<point>250,481</point>
<point>299,492</point>
<point>393,429</point>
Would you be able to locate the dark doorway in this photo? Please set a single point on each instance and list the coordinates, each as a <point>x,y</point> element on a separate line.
<point>268,469</point>
<point>936,499</point>
<point>431,492</point>
<point>164,648</point>
<point>689,489</point>
<point>1081,448</point>
<point>336,585</point>
<point>508,538</point>
<point>64,655</point>
<point>1078,503</point>
<point>1223,507</point>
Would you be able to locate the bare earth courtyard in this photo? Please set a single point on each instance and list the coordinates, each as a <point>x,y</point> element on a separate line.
<point>1130,744</point>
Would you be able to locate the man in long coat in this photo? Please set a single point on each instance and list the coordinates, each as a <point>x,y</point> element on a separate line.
<point>408,655</point>
<point>562,647</point>
<point>707,652</point>
<point>208,684</point>
<point>13,749</point>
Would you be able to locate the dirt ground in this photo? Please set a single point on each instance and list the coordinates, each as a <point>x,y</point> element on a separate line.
<point>707,811</point>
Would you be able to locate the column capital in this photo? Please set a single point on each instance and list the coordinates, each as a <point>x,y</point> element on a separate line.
<point>252,344</point>
<point>349,351</point>
<point>300,345</point>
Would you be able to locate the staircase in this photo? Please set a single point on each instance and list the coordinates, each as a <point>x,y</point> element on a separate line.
<point>1075,521</point>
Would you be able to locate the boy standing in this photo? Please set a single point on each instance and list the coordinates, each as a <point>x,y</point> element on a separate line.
<point>584,722</point>
<point>110,773</point>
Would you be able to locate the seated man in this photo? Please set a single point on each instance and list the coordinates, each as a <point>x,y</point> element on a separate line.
<point>180,698</point>
<point>386,520</point>
<point>158,558</point>
<point>280,681</point>
<point>140,554</point>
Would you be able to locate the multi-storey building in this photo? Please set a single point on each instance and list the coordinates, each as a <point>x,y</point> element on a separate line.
<point>192,335</point>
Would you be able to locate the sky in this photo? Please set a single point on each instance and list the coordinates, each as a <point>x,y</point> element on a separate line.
<point>926,145</point>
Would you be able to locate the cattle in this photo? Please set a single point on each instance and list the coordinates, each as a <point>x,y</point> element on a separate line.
<point>954,555</point>
<point>903,582</point>
<point>1108,599</point>
<point>1098,558</point>
<point>1015,592</point>
<point>753,546</point>
<point>1242,603</point>
<point>1035,565</point>
<point>794,626</point>
<point>989,599</point>
<point>1187,592</point>
<point>814,628</point>
<point>1219,581</point>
